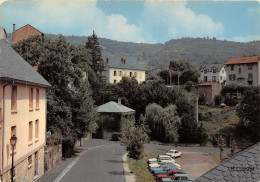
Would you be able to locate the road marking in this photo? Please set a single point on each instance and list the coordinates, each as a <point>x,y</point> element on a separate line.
<point>64,172</point>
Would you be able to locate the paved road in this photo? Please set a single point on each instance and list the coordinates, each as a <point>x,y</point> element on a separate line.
<point>101,162</point>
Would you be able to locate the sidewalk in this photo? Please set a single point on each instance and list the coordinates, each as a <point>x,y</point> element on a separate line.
<point>54,172</point>
<point>129,177</point>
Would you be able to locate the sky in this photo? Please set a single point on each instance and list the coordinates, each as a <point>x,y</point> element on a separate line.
<point>151,21</point>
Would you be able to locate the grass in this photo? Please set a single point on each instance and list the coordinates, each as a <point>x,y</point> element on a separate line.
<point>140,167</point>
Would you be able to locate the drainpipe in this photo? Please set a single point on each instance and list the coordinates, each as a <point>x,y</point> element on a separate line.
<point>3,130</point>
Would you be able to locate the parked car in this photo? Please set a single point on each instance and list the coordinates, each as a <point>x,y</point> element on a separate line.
<point>160,157</point>
<point>177,178</point>
<point>164,162</point>
<point>174,153</point>
<point>169,174</point>
<point>165,166</point>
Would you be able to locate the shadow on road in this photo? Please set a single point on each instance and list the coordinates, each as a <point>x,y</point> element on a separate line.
<point>116,172</point>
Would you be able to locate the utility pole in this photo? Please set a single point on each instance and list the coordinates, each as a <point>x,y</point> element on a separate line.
<point>197,108</point>
<point>178,80</point>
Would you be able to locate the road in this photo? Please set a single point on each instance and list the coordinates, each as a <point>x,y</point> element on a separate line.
<point>101,162</point>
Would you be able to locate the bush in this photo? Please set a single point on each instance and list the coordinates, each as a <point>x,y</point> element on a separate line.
<point>218,100</point>
<point>115,136</point>
<point>231,102</point>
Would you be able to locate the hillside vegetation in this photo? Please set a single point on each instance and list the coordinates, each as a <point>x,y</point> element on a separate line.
<point>197,50</point>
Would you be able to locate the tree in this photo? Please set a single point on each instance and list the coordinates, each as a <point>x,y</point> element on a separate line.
<point>133,137</point>
<point>249,114</point>
<point>97,63</point>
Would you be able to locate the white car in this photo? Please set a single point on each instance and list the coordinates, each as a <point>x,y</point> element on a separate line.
<point>160,157</point>
<point>174,153</point>
<point>164,162</point>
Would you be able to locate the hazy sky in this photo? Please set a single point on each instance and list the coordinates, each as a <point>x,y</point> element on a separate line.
<point>137,21</point>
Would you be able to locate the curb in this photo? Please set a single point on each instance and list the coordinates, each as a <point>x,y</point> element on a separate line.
<point>129,177</point>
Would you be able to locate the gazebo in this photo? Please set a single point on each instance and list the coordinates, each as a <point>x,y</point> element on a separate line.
<point>111,115</point>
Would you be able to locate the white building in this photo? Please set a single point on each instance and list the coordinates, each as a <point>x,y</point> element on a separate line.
<point>213,73</point>
<point>116,69</point>
<point>243,71</point>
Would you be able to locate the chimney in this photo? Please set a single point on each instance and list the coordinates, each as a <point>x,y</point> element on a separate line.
<point>119,101</point>
<point>107,60</point>
<point>13,32</point>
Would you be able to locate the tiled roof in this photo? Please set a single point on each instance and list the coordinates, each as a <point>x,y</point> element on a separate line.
<point>211,66</point>
<point>129,64</point>
<point>244,60</point>
<point>30,26</point>
<point>243,166</point>
<point>113,107</point>
<point>14,67</point>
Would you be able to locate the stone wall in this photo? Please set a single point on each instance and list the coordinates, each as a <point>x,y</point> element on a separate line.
<point>53,156</point>
<point>25,172</point>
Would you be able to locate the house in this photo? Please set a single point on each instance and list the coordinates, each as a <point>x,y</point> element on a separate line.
<point>209,90</point>
<point>2,33</point>
<point>116,69</point>
<point>243,71</point>
<point>24,32</point>
<point>243,166</point>
<point>23,114</point>
<point>213,73</point>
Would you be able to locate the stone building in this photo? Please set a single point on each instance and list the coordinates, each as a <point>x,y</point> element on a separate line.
<point>116,69</point>
<point>243,71</point>
<point>24,32</point>
<point>209,90</point>
<point>23,114</point>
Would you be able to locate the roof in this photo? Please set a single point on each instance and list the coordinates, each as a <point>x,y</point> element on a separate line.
<point>113,107</point>
<point>30,26</point>
<point>244,60</point>
<point>243,166</point>
<point>210,66</point>
<point>129,64</point>
<point>14,67</point>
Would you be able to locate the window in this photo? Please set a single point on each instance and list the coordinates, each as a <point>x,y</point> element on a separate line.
<point>205,78</point>
<point>135,74</point>
<point>13,132</point>
<point>250,67</point>
<point>239,70</point>
<point>214,78</point>
<point>30,160</point>
<point>223,71</point>
<point>214,70</point>
<point>31,98</point>
<point>131,74</point>
<point>232,77</point>
<point>36,163</point>
<point>114,81</point>
<point>220,77</point>
<point>14,98</point>
<point>30,131</point>
<point>37,98</point>
<point>114,73</point>
<point>37,128</point>
<point>232,67</point>
<point>120,73</point>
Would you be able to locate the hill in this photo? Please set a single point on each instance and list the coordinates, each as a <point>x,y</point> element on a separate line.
<point>197,50</point>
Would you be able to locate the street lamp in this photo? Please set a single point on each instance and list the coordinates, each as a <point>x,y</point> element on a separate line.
<point>13,140</point>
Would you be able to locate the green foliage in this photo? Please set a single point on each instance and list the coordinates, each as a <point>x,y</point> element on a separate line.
<point>230,101</point>
<point>248,112</point>
<point>188,85</point>
<point>70,107</point>
<point>134,138</point>
<point>115,136</point>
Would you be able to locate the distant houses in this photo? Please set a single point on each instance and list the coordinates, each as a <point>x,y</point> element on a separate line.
<point>116,69</point>
<point>213,73</point>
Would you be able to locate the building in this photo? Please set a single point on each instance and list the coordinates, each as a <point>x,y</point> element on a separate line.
<point>23,113</point>
<point>213,73</point>
<point>209,90</point>
<point>116,69</point>
<point>24,32</point>
<point>243,71</point>
<point>243,166</point>
<point>2,33</point>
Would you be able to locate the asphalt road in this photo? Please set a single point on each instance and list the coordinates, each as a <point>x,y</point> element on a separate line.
<point>102,162</point>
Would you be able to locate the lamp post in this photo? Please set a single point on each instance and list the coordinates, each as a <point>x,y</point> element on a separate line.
<point>13,140</point>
